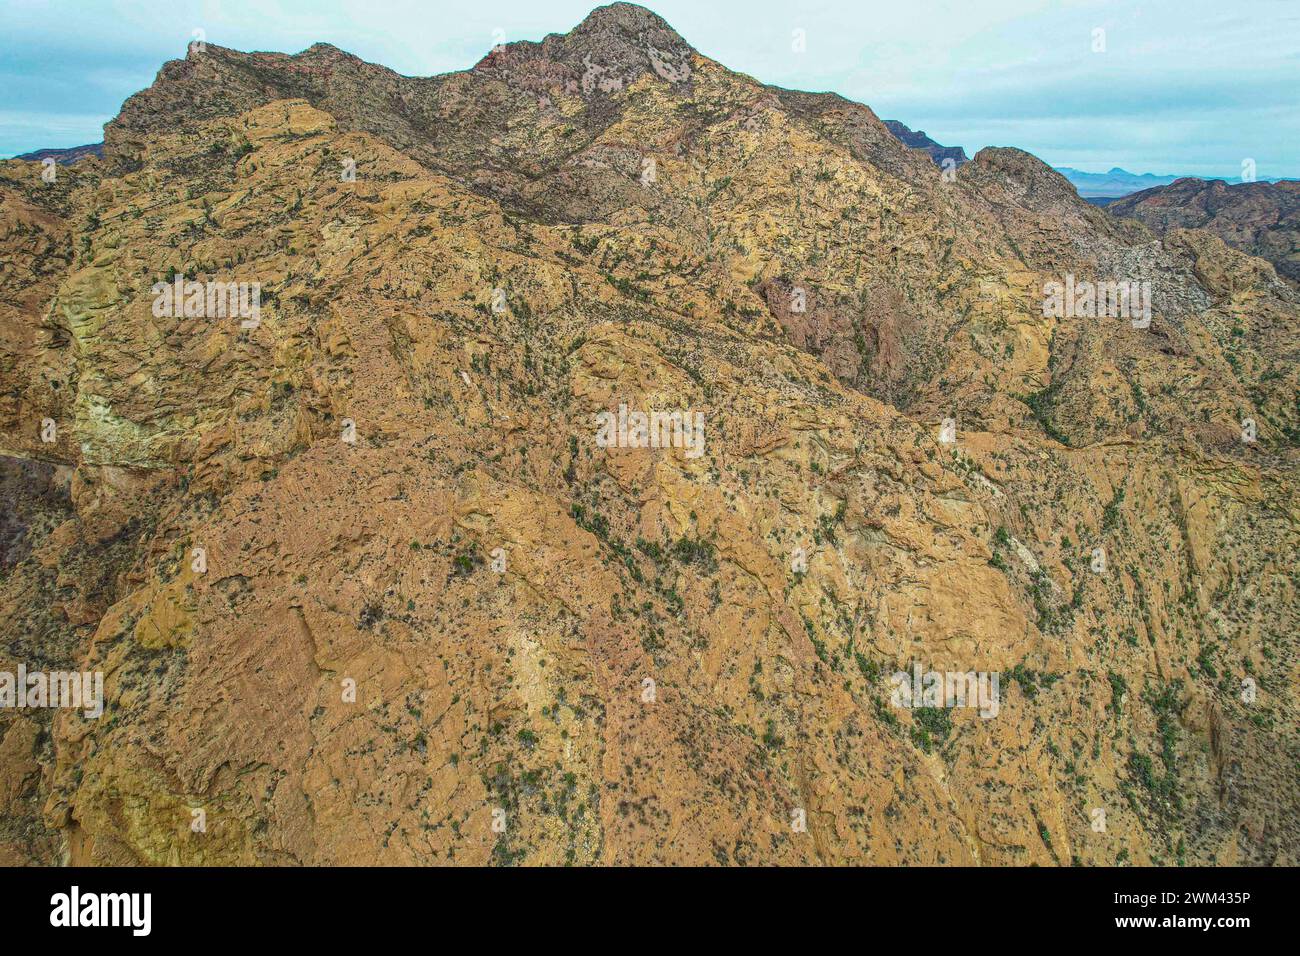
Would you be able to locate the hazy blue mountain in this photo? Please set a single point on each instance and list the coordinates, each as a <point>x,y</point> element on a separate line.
<point>1117,182</point>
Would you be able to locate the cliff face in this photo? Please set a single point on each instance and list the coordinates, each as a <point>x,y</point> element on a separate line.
<point>1262,219</point>
<point>435,621</point>
<point>916,139</point>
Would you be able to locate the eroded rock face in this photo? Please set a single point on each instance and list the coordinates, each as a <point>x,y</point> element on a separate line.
<point>1262,219</point>
<point>916,139</point>
<point>436,621</point>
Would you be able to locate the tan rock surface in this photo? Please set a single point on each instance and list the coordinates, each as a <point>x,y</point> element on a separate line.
<point>520,696</point>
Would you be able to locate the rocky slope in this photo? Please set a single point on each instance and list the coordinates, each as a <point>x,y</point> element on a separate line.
<point>1262,219</point>
<point>436,622</point>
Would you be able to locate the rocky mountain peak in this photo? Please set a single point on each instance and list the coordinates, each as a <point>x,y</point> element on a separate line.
<point>626,19</point>
<point>614,46</point>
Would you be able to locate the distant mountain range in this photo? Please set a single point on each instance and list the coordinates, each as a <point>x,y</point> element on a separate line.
<point>1101,189</point>
<point>1117,182</point>
<point>64,157</point>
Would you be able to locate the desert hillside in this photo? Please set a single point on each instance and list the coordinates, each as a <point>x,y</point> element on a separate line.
<point>1259,218</point>
<point>366,587</point>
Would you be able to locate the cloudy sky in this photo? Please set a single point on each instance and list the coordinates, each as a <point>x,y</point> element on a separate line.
<point>1191,87</point>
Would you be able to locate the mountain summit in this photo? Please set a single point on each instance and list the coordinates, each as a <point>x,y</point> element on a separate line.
<point>612,48</point>
<point>619,34</point>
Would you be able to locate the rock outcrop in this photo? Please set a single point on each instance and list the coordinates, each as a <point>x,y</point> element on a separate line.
<point>1262,219</point>
<point>916,139</point>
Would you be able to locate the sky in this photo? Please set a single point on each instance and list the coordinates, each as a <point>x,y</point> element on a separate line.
<point>1187,87</point>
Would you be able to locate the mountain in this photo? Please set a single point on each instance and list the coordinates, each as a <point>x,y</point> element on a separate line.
<point>1117,182</point>
<point>372,576</point>
<point>64,157</point>
<point>1261,218</point>
<point>918,140</point>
